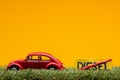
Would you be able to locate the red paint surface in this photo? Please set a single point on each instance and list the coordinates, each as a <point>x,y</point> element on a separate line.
<point>37,64</point>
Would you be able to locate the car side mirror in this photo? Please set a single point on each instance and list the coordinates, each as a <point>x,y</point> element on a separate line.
<point>26,58</point>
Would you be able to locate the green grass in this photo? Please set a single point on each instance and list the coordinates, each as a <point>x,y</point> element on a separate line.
<point>67,74</point>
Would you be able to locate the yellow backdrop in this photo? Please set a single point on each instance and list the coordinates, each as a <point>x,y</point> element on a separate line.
<point>68,29</point>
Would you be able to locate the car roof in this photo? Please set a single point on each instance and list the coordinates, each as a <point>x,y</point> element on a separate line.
<point>39,53</point>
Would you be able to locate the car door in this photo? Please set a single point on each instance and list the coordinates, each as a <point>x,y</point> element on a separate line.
<point>32,61</point>
<point>44,60</point>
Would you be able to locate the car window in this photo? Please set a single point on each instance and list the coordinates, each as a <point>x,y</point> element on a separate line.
<point>33,58</point>
<point>44,58</point>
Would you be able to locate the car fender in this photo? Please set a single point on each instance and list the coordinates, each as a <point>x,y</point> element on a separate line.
<point>15,64</point>
<point>54,64</point>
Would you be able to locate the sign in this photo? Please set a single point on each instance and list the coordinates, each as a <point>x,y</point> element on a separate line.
<point>88,62</point>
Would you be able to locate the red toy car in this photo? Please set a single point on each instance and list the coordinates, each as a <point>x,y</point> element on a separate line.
<point>36,60</point>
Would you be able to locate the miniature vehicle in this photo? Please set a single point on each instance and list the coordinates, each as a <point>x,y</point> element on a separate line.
<point>36,60</point>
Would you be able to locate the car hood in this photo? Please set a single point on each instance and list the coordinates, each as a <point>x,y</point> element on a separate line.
<point>17,61</point>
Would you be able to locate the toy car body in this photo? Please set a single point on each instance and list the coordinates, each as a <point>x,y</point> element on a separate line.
<point>36,60</point>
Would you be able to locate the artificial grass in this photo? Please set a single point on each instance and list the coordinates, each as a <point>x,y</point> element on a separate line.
<point>67,74</point>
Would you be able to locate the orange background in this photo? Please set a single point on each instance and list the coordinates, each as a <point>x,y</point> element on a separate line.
<point>68,29</point>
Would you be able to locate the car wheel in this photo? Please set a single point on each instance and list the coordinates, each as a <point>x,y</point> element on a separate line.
<point>15,68</point>
<point>52,68</point>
